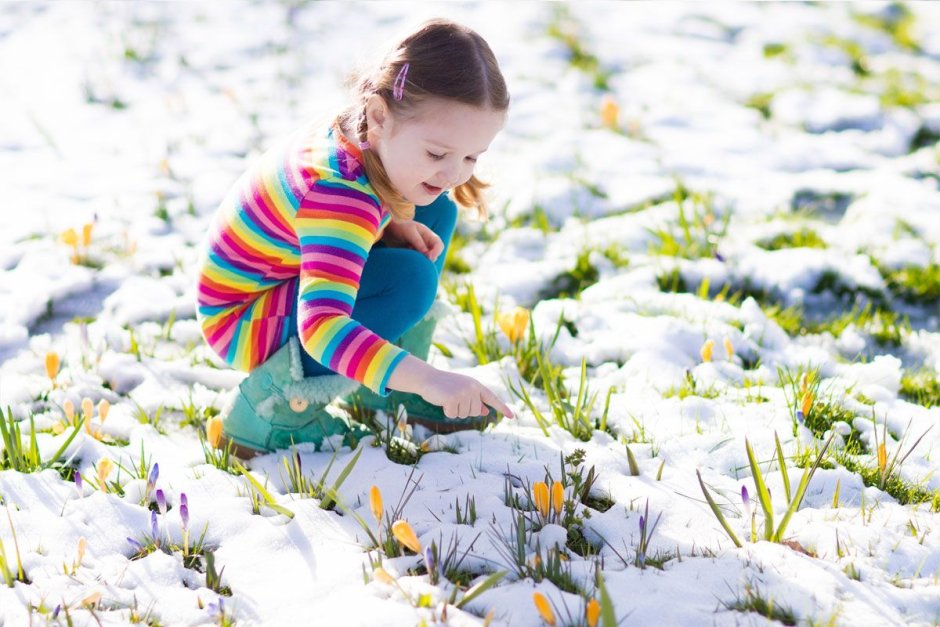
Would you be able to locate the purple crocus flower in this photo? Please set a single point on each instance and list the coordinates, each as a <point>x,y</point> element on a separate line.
<point>134,543</point>
<point>161,501</point>
<point>154,528</point>
<point>429,561</point>
<point>800,417</point>
<point>184,502</point>
<point>55,612</point>
<point>642,525</point>
<point>78,484</point>
<point>719,256</point>
<point>746,500</point>
<point>152,480</point>
<point>184,514</point>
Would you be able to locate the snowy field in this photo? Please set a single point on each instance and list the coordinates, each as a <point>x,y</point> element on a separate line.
<point>727,214</point>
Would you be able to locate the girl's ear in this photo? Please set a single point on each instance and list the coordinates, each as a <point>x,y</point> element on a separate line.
<point>377,116</point>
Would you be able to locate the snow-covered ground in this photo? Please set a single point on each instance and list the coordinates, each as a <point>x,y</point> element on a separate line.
<point>751,121</point>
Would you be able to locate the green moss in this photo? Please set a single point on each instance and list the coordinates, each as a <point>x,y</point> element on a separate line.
<point>921,387</point>
<point>905,492</point>
<point>914,284</point>
<point>803,238</point>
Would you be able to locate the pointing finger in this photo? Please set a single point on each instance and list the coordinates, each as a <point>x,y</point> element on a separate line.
<point>494,401</point>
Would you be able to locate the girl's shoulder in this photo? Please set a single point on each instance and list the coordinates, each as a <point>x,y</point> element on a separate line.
<point>321,146</point>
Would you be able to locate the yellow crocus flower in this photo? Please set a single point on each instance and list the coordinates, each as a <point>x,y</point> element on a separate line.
<point>86,234</point>
<point>69,408</point>
<point>544,608</point>
<point>380,574</point>
<point>707,349</point>
<point>69,237</point>
<point>52,365</point>
<point>592,612</point>
<point>406,535</point>
<point>729,348</point>
<point>375,503</point>
<point>104,406</point>
<point>540,495</point>
<point>514,323</point>
<point>882,457</point>
<point>214,431</point>
<point>105,466</point>
<point>806,403</point>
<point>610,112</point>
<point>558,498</point>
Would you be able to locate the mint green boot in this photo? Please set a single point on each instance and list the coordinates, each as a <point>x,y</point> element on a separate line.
<point>275,406</point>
<point>417,341</point>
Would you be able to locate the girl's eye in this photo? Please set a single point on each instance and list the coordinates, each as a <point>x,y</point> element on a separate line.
<point>434,156</point>
<point>472,159</point>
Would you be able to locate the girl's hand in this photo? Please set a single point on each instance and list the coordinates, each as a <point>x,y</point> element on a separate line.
<point>458,395</point>
<point>411,234</point>
<point>461,396</point>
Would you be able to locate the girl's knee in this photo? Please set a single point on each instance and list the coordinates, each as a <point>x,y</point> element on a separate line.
<point>419,279</point>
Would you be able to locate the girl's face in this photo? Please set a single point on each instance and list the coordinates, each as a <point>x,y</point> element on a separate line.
<point>434,148</point>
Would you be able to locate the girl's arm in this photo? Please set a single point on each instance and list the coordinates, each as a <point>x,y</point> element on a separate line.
<point>459,395</point>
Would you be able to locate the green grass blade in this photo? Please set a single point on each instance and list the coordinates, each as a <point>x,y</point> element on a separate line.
<point>634,466</point>
<point>331,493</point>
<point>717,511</point>
<point>763,495</point>
<point>781,461</point>
<point>264,493</point>
<point>608,616</point>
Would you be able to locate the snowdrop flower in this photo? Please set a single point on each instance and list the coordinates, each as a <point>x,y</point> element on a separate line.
<point>514,323</point>
<point>161,501</point>
<point>707,349</point>
<point>52,365</point>
<point>406,535</point>
<point>375,503</point>
<point>592,612</point>
<point>540,495</point>
<point>544,608</point>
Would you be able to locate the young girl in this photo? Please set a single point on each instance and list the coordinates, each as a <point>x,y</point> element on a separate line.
<point>323,260</point>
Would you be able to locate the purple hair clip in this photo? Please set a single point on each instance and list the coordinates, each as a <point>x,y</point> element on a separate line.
<point>398,89</point>
<point>364,145</point>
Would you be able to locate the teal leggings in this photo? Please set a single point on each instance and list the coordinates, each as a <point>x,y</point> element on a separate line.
<point>398,285</point>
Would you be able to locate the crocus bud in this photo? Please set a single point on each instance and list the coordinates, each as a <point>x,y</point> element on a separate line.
<point>104,406</point>
<point>406,535</point>
<point>541,498</point>
<point>154,474</point>
<point>806,403</point>
<point>88,409</point>
<point>514,323</point>
<point>558,497</point>
<point>52,365</point>
<point>610,112</point>
<point>592,612</point>
<point>707,348</point>
<point>729,348</point>
<point>78,483</point>
<point>105,466</point>
<point>86,234</point>
<point>69,237</point>
<point>746,501</point>
<point>154,527</point>
<point>161,501</point>
<point>375,503</point>
<point>544,608</point>
<point>68,407</point>
<point>214,432</point>
<point>184,515</point>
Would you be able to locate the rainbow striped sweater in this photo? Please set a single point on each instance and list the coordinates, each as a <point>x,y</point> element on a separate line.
<point>296,227</point>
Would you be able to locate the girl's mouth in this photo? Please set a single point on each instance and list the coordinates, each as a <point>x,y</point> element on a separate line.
<point>431,189</point>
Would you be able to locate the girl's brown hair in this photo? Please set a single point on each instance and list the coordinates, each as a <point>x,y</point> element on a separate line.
<point>445,60</point>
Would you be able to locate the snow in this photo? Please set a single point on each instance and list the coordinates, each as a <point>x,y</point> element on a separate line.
<point>139,117</point>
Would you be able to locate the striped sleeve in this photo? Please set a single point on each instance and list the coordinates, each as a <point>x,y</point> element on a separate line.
<point>336,224</point>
